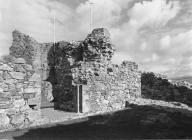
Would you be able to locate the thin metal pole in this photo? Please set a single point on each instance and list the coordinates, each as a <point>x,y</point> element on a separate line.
<point>54,29</point>
<point>77,98</point>
<point>91,17</point>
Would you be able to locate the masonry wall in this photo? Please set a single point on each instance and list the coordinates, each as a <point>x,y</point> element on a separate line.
<point>107,87</point>
<point>39,56</point>
<point>61,75</point>
<point>109,91</point>
<point>64,66</point>
<point>20,93</point>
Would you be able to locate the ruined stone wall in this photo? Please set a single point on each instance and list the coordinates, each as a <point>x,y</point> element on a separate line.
<point>20,93</point>
<point>38,55</point>
<point>107,88</point>
<point>64,66</point>
<point>61,75</point>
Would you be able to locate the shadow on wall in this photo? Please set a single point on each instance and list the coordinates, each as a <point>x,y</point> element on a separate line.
<point>133,122</point>
<point>60,76</point>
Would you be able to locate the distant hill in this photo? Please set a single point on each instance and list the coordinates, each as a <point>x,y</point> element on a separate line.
<point>184,78</point>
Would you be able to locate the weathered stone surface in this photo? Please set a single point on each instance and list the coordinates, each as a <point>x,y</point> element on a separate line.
<point>32,90</point>
<point>33,101</point>
<point>34,115</point>
<point>1,90</point>
<point>23,46</point>
<point>27,67</point>
<point>4,120</point>
<point>47,90</point>
<point>6,75</point>
<point>17,75</point>
<point>66,68</point>
<point>19,103</point>
<point>27,96</point>
<point>5,103</point>
<point>19,68</point>
<point>98,45</point>
<point>14,78</point>
<point>19,61</point>
<point>11,112</point>
<point>18,119</point>
<point>5,67</point>
<point>35,77</point>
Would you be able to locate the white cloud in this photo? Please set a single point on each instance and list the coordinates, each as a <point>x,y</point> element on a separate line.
<point>165,42</point>
<point>121,56</point>
<point>154,13</point>
<point>0,16</point>
<point>171,61</point>
<point>155,57</point>
<point>106,13</point>
<point>143,46</point>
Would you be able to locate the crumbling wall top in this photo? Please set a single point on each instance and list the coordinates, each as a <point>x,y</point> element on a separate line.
<point>98,46</point>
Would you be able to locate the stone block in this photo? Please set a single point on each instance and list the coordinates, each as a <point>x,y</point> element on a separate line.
<point>11,112</point>
<point>32,90</point>
<point>6,75</point>
<point>1,90</point>
<point>34,101</point>
<point>10,81</point>
<point>28,67</point>
<point>1,79</point>
<point>35,77</point>
<point>17,75</point>
<point>5,103</point>
<point>19,85</point>
<point>5,67</point>
<point>27,96</point>
<point>19,68</point>
<point>17,119</point>
<point>4,120</point>
<point>19,61</point>
<point>34,115</point>
<point>19,103</point>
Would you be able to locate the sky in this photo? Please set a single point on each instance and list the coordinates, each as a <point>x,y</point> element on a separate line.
<point>157,34</point>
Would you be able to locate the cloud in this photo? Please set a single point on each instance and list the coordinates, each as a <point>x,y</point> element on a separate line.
<point>120,56</point>
<point>0,16</point>
<point>143,46</point>
<point>174,53</point>
<point>143,31</point>
<point>153,13</point>
<point>105,13</point>
<point>165,42</point>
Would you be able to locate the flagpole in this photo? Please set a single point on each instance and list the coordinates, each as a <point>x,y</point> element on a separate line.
<point>54,27</point>
<point>91,16</point>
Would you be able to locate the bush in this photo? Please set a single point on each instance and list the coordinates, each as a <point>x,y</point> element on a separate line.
<point>161,89</point>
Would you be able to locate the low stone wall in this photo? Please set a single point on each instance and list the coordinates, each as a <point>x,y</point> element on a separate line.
<point>20,93</point>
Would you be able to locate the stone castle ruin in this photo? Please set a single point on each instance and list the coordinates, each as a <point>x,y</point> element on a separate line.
<point>76,76</point>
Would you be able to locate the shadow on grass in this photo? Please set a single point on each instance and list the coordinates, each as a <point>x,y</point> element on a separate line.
<point>135,122</point>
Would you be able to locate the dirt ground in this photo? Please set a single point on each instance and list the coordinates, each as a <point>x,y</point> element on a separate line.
<point>135,122</point>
